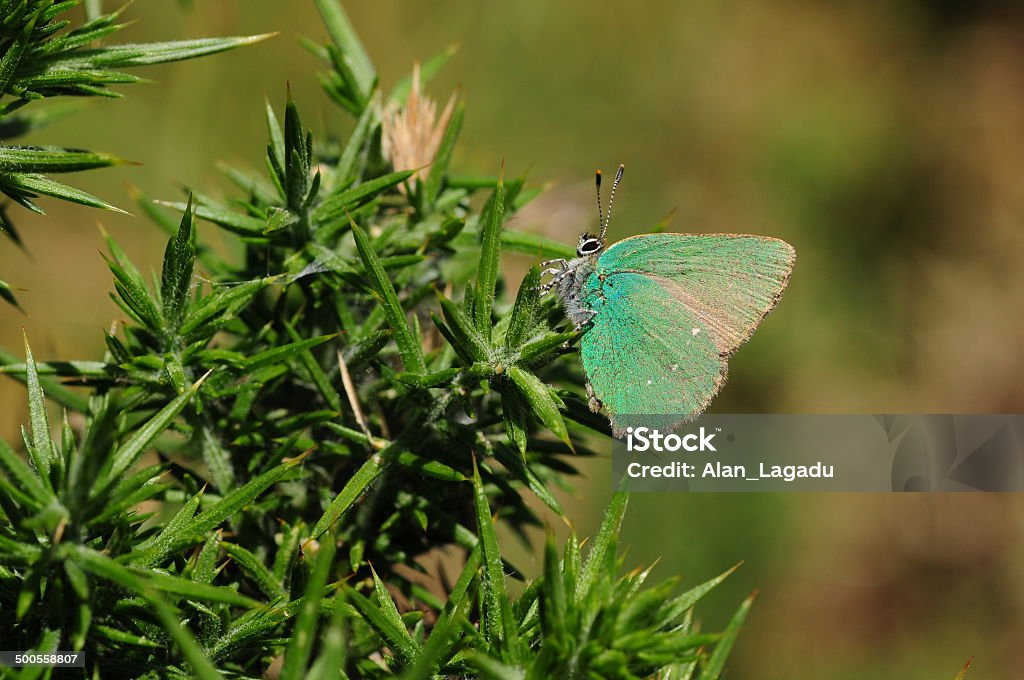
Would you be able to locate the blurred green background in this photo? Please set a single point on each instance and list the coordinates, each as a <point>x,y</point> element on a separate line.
<point>884,140</point>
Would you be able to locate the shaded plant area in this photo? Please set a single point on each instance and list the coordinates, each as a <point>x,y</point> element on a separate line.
<point>274,437</point>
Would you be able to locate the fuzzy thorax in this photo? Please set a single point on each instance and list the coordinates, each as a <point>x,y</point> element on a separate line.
<point>569,288</point>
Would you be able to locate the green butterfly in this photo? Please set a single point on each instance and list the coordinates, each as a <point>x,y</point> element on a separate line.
<point>661,313</point>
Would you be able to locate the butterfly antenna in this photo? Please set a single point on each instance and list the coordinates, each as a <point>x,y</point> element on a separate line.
<point>611,199</point>
<point>600,210</point>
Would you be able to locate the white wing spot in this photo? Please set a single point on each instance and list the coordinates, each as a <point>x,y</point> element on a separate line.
<point>675,367</point>
<point>648,382</point>
<point>694,332</point>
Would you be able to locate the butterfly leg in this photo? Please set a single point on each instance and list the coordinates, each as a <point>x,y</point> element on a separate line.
<point>558,278</point>
<point>558,274</point>
<point>584,322</point>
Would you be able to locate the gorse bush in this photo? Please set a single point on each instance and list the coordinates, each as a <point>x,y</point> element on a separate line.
<point>45,56</point>
<point>272,441</point>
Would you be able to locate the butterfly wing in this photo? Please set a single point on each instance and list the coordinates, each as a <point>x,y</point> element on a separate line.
<point>670,308</point>
<point>640,354</point>
<point>729,282</point>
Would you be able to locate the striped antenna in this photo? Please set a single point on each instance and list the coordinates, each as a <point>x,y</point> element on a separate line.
<point>611,199</point>
<point>600,211</point>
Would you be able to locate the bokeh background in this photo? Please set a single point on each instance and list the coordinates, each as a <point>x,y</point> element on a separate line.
<point>884,140</point>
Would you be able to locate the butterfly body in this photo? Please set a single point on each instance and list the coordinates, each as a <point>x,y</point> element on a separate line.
<point>573,289</point>
<point>659,315</point>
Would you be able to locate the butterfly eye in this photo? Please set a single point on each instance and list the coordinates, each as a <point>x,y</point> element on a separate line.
<point>588,247</point>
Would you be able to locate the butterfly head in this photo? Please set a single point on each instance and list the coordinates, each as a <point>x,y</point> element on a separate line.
<point>589,245</point>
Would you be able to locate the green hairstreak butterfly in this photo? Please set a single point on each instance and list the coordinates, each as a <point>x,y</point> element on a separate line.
<point>660,314</point>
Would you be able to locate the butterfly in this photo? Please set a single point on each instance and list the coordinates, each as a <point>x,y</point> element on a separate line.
<point>660,314</point>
